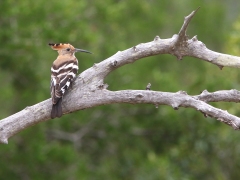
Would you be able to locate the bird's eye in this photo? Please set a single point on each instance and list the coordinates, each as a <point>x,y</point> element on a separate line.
<point>68,49</point>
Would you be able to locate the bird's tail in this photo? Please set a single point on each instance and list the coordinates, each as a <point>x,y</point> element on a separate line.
<point>57,109</point>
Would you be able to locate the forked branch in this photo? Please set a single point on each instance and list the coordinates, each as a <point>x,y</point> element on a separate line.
<point>89,89</point>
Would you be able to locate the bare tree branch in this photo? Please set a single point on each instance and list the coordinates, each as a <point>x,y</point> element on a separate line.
<point>224,95</point>
<point>89,89</point>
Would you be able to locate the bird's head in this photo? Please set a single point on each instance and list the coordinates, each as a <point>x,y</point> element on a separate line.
<point>66,48</point>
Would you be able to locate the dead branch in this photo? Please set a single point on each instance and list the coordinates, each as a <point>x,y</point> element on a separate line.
<point>89,89</point>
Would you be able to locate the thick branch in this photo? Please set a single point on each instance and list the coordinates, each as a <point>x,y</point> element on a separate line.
<point>41,112</point>
<point>89,89</point>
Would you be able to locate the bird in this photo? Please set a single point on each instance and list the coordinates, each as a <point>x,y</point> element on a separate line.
<point>63,72</point>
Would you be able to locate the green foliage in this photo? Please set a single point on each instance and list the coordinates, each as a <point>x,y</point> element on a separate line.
<point>119,141</point>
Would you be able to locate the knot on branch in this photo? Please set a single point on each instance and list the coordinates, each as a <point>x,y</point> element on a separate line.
<point>102,86</point>
<point>180,46</point>
<point>148,87</point>
<point>139,95</point>
<point>220,67</point>
<point>182,92</point>
<point>134,48</point>
<point>205,92</point>
<point>157,38</point>
<point>114,63</point>
<point>175,107</point>
<point>194,38</point>
<point>95,65</point>
<point>236,92</point>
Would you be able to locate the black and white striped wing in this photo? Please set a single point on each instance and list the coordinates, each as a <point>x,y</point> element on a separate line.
<point>61,78</point>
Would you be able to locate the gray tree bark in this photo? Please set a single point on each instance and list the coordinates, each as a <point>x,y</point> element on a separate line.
<point>89,89</point>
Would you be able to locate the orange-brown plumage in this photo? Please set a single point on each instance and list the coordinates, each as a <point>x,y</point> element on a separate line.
<point>59,46</point>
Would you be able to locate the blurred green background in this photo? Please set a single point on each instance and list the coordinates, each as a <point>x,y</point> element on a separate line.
<point>118,141</point>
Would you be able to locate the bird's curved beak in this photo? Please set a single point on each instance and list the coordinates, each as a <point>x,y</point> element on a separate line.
<point>82,50</point>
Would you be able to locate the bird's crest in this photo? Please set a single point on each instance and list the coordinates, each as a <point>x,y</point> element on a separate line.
<point>60,46</point>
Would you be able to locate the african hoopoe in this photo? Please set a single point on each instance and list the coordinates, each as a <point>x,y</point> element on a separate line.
<point>63,72</point>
